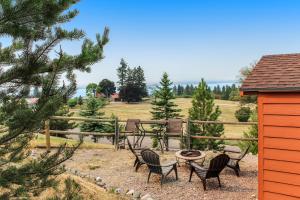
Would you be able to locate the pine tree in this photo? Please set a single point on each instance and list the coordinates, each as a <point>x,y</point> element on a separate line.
<point>203,108</point>
<point>122,71</point>
<point>140,81</point>
<point>36,30</point>
<point>162,106</point>
<point>93,105</point>
<point>80,100</point>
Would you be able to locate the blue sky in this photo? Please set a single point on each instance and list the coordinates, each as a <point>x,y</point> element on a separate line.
<point>188,39</point>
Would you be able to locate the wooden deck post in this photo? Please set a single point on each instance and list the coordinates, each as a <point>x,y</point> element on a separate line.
<point>188,132</point>
<point>116,133</point>
<point>47,134</point>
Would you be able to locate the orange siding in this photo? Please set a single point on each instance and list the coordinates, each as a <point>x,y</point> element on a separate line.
<point>279,146</point>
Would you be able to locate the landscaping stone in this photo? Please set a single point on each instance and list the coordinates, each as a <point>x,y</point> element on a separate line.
<point>136,195</point>
<point>118,190</point>
<point>146,197</point>
<point>98,179</point>
<point>130,192</point>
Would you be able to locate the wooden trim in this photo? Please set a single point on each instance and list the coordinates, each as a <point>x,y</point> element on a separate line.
<point>260,102</point>
<point>80,133</point>
<point>223,138</point>
<point>82,119</point>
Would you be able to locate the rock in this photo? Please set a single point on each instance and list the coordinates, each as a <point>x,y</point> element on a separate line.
<point>136,195</point>
<point>98,179</point>
<point>100,184</point>
<point>130,192</point>
<point>146,197</point>
<point>149,198</point>
<point>253,195</point>
<point>118,190</point>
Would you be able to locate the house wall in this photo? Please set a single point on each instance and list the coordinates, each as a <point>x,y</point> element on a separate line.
<point>279,146</point>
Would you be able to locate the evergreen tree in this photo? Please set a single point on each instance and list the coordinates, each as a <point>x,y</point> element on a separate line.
<point>203,108</point>
<point>62,125</point>
<point>163,106</point>
<point>174,90</point>
<point>251,133</point>
<point>80,100</point>
<point>91,110</point>
<point>36,29</point>
<point>122,72</point>
<point>140,81</point>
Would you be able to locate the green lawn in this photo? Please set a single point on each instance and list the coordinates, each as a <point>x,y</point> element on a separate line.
<point>56,141</point>
<point>142,111</point>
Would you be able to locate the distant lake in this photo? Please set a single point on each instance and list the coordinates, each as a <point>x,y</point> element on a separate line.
<point>151,87</point>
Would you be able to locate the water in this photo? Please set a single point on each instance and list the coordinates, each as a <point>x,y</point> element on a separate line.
<point>211,84</point>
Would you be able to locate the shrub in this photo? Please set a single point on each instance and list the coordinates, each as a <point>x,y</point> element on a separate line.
<point>243,114</point>
<point>251,133</point>
<point>72,102</point>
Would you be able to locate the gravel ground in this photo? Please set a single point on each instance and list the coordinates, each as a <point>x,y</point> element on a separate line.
<point>116,170</point>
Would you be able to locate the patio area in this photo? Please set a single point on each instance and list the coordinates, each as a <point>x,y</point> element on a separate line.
<point>116,170</point>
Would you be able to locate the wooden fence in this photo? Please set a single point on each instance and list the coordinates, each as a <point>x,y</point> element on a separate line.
<point>117,122</point>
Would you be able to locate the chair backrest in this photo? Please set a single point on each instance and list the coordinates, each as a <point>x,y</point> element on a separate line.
<point>216,165</point>
<point>130,147</point>
<point>243,154</point>
<point>131,125</point>
<point>152,160</point>
<point>174,127</point>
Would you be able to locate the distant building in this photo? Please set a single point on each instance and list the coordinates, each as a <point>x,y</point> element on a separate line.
<point>31,101</point>
<point>100,95</point>
<point>115,97</point>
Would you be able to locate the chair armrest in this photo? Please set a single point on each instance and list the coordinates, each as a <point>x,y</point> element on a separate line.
<point>195,165</point>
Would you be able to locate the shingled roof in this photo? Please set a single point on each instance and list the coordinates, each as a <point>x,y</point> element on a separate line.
<point>274,73</point>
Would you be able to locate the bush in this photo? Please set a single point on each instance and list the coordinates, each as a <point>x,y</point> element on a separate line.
<point>72,102</point>
<point>243,114</point>
<point>251,133</point>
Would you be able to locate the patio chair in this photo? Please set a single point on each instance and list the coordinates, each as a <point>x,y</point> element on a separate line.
<point>153,162</point>
<point>174,129</point>
<point>132,127</point>
<point>137,153</point>
<point>216,165</point>
<point>234,161</point>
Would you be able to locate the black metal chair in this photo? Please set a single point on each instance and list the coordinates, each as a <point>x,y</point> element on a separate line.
<point>234,161</point>
<point>216,165</point>
<point>153,162</point>
<point>137,153</point>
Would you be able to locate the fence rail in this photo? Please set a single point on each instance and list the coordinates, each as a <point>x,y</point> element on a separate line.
<point>116,135</point>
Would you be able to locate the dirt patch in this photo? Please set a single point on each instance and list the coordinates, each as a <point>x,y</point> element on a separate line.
<point>116,169</point>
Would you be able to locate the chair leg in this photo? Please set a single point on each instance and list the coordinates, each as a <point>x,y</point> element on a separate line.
<point>192,170</point>
<point>204,183</point>
<point>162,179</point>
<point>135,162</point>
<point>138,166</point>
<point>219,181</point>
<point>236,170</point>
<point>176,174</point>
<point>149,176</point>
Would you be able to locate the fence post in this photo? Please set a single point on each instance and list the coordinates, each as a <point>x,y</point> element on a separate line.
<point>116,133</point>
<point>188,131</point>
<point>47,134</point>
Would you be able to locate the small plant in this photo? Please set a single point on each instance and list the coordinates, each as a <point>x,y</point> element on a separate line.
<point>251,133</point>
<point>72,102</point>
<point>243,114</point>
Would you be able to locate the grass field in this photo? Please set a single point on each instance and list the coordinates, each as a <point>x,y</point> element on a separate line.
<point>142,111</point>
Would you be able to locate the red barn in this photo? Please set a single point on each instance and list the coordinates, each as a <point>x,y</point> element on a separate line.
<point>276,81</point>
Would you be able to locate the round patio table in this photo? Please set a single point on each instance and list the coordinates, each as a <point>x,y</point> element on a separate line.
<point>188,159</point>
